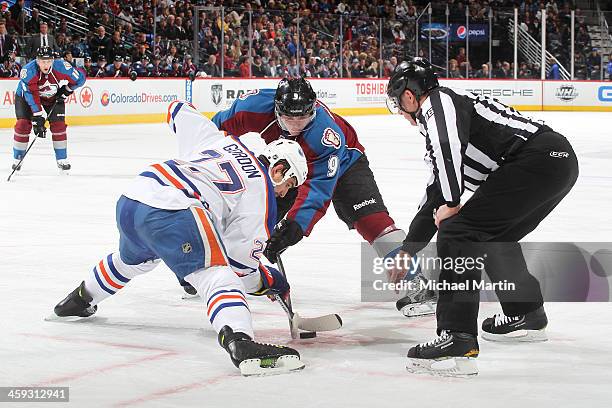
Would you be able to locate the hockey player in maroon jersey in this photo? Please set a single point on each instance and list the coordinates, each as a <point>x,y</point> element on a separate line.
<point>41,94</point>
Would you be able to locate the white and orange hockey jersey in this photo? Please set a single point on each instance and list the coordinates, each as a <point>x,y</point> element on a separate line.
<point>218,173</point>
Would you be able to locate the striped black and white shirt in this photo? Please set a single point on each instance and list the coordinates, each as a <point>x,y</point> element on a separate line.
<point>467,137</point>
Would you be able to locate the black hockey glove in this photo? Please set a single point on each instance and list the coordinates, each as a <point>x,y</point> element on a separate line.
<point>64,93</point>
<point>38,124</point>
<point>286,234</point>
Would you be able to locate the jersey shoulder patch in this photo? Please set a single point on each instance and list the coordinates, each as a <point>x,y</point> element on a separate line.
<point>331,138</point>
<point>23,74</point>
<point>67,65</point>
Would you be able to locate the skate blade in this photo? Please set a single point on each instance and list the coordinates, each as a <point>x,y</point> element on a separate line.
<point>64,172</point>
<point>518,336</point>
<point>419,309</point>
<point>56,318</point>
<point>448,367</point>
<point>281,365</point>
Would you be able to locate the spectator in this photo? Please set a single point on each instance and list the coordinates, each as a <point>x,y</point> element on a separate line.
<point>100,44</point>
<point>461,57</point>
<point>7,44</point>
<point>453,69</point>
<point>244,69</point>
<point>609,68</point>
<point>293,70</point>
<point>43,39</point>
<point>483,72</point>
<point>188,66</point>
<point>211,68</point>
<point>257,68</point>
<point>78,48</point>
<point>594,64</point>
<point>9,68</point>
<point>553,71</point>
<point>32,25</point>
<point>116,46</point>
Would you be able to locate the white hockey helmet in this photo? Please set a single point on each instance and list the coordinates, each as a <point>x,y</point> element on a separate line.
<point>292,153</point>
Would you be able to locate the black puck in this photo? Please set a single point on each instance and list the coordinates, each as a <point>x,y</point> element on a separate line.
<point>308,335</point>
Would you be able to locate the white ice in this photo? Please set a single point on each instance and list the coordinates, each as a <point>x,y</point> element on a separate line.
<point>147,347</point>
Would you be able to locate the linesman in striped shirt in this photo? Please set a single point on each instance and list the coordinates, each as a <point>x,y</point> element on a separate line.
<point>519,170</point>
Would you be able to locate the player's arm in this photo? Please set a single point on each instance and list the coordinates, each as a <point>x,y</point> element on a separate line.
<point>70,74</point>
<point>448,139</point>
<point>29,88</point>
<point>423,227</point>
<point>315,194</point>
<point>193,130</point>
<point>249,113</point>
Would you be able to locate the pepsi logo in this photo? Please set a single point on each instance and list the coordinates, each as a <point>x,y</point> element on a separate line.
<point>461,32</point>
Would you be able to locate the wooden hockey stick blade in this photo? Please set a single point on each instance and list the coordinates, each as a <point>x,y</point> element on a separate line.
<point>322,323</point>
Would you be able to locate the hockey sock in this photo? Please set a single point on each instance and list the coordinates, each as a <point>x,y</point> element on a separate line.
<point>60,141</point>
<point>112,274</point>
<point>226,304</point>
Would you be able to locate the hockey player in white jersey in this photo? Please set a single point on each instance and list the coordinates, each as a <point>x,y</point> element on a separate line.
<point>207,215</point>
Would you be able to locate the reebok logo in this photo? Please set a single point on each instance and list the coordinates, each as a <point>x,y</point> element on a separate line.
<point>559,154</point>
<point>364,203</point>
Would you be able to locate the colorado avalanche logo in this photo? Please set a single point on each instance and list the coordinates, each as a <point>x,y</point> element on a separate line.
<point>47,90</point>
<point>331,138</point>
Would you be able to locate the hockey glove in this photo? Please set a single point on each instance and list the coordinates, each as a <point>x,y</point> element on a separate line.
<point>63,94</point>
<point>272,282</point>
<point>286,234</point>
<point>38,124</point>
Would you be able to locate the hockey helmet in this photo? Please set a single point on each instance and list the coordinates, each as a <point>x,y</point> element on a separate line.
<point>45,52</point>
<point>416,75</point>
<point>291,155</point>
<point>294,97</point>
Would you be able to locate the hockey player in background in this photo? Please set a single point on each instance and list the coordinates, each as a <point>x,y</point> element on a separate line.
<point>338,169</point>
<point>519,170</point>
<point>41,94</point>
<point>207,215</point>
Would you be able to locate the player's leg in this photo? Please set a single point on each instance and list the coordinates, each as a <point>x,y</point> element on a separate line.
<point>194,251</point>
<point>57,125</point>
<point>23,127</point>
<point>115,270</point>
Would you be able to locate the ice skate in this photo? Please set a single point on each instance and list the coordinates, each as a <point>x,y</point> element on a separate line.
<point>451,354</point>
<point>530,327</point>
<point>419,301</point>
<point>75,306</point>
<point>64,166</point>
<point>259,359</point>
<point>16,165</point>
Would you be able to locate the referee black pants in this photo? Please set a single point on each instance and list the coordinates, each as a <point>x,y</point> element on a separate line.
<point>507,206</point>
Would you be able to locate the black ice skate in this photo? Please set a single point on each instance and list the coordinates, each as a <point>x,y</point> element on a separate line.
<point>76,305</point>
<point>524,328</point>
<point>63,165</point>
<point>254,358</point>
<point>16,165</point>
<point>451,354</point>
<point>419,301</point>
<point>190,291</point>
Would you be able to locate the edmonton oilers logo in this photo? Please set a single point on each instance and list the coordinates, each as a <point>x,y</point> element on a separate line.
<point>105,98</point>
<point>461,32</point>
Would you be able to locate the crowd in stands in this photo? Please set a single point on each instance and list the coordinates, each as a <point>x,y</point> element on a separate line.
<point>335,38</point>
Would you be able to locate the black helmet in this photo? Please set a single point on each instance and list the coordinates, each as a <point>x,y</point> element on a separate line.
<point>45,53</point>
<point>294,97</point>
<point>417,75</point>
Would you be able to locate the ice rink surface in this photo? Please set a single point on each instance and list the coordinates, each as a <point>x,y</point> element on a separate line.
<point>147,347</point>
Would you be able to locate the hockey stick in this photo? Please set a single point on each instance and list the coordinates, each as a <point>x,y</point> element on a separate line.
<point>312,324</point>
<point>33,141</point>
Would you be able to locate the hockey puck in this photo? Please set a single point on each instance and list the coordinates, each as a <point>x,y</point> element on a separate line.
<point>308,335</point>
